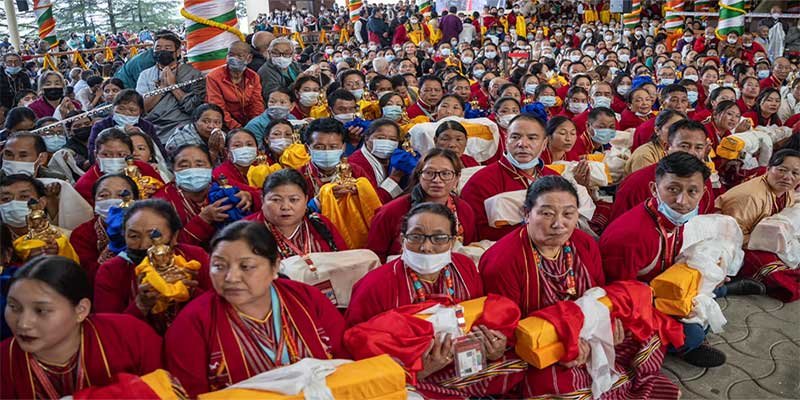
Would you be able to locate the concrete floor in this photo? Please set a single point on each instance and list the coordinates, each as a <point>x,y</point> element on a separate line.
<point>762,344</point>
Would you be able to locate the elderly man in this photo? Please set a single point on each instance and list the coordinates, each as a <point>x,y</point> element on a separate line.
<point>12,79</point>
<point>235,88</point>
<point>280,70</point>
<point>259,43</point>
<point>780,71</point>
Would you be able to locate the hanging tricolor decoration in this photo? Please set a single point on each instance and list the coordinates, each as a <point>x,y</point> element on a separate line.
<point>210,29</point>
<point>47,23</point>
<point>703,5</point>
<point>425,7</point>
<point>673,22</point>
<point>731,17</point>
<point>633,19</point>
<point>355,9</point>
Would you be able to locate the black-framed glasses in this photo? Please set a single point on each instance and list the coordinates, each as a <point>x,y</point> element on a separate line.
<point>445,175</point>
<point>437,239</point>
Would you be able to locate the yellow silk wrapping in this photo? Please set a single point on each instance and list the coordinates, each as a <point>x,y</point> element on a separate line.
<point>370,109</point>
<point>730,147</point>
<point>177,291</point>
<point>478,131</point>
<point>522,29</point>
<point>319,111</point>
<point>375,378</point>
<point>537,340</point>
<point>416,36</point>
<point>560,168</point>
<point>436,34</point>
<point>295,156</point>
<point>675,288</point>
<point>160,382</point>
<point>257,174</point>
<point>23,247</point>
<point>351,214</point>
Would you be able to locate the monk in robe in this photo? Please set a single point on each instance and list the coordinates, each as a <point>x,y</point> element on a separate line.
<point>285,214</point>
<point>599,96</point>
<point>112,147</point>
<point>639,111</point>
<point>431,90</point>
<point>412,31</point>
<point>117,289</point>
<point>189,196</point>
<point>69,350</point>
<point>516,170</point>
<point>722,123</point>
<point>673,97</point>
<point>654,150</point>
<point>242,149</point>
<point>325,140</point>
<point>252,321</point>
<point>756,199</point>
<point>386,168</point>
<point>428,270</point>
<point>437,180</point>
<point>599,129</point>
<point>90,239</point>
<point>546,261</point>
<point>684,136</point>
<point>780,71</point>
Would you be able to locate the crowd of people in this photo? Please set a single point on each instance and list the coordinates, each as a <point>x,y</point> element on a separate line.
<point>530,153</point>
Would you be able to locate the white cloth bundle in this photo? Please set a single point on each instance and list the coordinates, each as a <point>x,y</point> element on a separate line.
<point>444,321</point>
<point>615,159</point>
<point>779,234</point>
<point>477,148</point>
<point>505,208</point>
<point>466,174</point>
<point>473,250</point>
<point>342,269</point>
<point>722,229</point>
<point>73,209</point>
<point>711,257</point>
<point>623,139</point>
<point>757,148</point>
<point>596,331</point>
<point>306,376</point>
<point>597,171</point>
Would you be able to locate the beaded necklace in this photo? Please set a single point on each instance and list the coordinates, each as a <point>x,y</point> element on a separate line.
<point>419,289</point>
<point>287,248</point>
<point>568,276</point>
<point>451,204</point>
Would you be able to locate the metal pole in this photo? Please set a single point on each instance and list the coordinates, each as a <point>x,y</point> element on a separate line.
<point>11,13</point>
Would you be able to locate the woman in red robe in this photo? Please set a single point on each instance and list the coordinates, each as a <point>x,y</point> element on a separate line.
<point>251,322</point>
<point>428,269</point>
<point>90,239</point>
<point>285,214</point>
<point>189,195</point>
<point>765,112</point>
<point>242,148</point>
<point>67,350</point>
<point>724,121</point>
<point>112,147</point>
<point>116,286</point>
<point>437,177</point>
<point>640,109</point>
<point>453,136</point>
<point>548,260</point>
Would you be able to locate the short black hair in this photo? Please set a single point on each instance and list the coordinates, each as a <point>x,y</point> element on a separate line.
<point>283,177</point>
<point>257,236</point>
<point>229,136</point>
<point>780,156</point>
<point>159,206</point>
<point>376,80</point>
<point>134,189</point>
<point>130,96</point>
<point>381,122</point>
<point>681,164</point>
<point>199,111</point>
<point>38,141</point>
<point>327,125</point>
<point>61,274</point>
<point>434,208</point>
<point>548,184</point>
<point>554,123</point>
<point>344,74</point>
<point>109,134</point>
<point>529,117</point>
<point>598,111</point>
<point>686,124</point>
<point>17,115</point>
<point>168,35</point>
<point>202,147</point>
<point>429,78</point>
<point>38,186</point>
<point>340,94</point>
<point>674,88</point>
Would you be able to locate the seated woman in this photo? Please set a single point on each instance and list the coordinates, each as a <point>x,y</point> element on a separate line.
<point>759,198</point>
<point>278,136</point>
<point>252,321</point>
<point>115,285</point>
<point>765,111</point>
<point>656,149</point>
<point>724,120</point>
<point>622,85</point>
<point>546,95</point>
<point>241,147</point>
<point>640,109</point>
<point>144,150</point>
<point>385,168</point>
<point>205,119</point>
<point>90,239</point>
<point>428,269</point>
<point>51,102</point>
<point>547,260</point>
<point>561,136</point>
<point>128,112</point>
<point>306,90</point>
<point>58,348</point>
<point>577,102</point>
<point>436,178</point>
<point>189,196</point>
<point>449,106</point>
<point>113,147</point>
<point>451,135</point>
<point>278,104</point>
<point>285,214</point>
<point>504,110</point>
<point>393,107</point>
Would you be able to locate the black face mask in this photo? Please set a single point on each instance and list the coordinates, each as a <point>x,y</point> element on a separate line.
<point>82,134</point>
<point>164,57</point>
<point>136,255</point>
<point>53,94</point>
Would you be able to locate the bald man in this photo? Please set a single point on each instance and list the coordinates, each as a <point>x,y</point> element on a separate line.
<point>259,44</point>
<point>236,88</point>
<point>780,71</point>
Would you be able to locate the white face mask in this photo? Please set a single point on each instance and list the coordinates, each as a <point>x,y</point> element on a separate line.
<point>344,118</point>
<point>19,167</point>
<point>14,213</point>
<point>279,145</point>
<point>383,148</point>
<point>577,108</point>
<point>282,62</point>
<point>101,207</point>
<point>244,156</point>
<point>112,165</point>
<point>308,99</point>
<point>505,120</point>
<point>426,263</point>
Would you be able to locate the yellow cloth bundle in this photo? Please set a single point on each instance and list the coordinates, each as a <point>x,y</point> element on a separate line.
<point>161,383</point>
<point>295,156</point>
<point>257,174</point>
<point>537,340</point>
<point>146,182</point>
<point>319,111</point>
<point>170,292</point>
<point>675,288</point>
<point>730,147</point>
<point>416,35</point>
<point>23,247</point>
<point>352,214</point>
<point>375,378</point>
<point>370,109</point>
<point>521,27</point>
<point>478,131</point>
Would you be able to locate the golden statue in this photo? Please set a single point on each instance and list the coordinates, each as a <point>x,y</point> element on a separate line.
<point>147,185</point>
<point>407,145</point>
<point>223,182</point>
<point>162,258</point>
<point>39,224</point>
<point>344,174</point>
<point>127,199</point>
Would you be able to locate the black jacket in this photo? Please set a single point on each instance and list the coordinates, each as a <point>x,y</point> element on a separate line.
<point>10,85</point>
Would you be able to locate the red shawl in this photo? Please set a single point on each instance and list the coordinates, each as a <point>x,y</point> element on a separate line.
<point>84,185</point>
<point>338,240</point>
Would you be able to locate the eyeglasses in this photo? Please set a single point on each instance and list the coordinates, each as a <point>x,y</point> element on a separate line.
<point>275,54</point>
<point>437,239</point>
<point>445,175</point>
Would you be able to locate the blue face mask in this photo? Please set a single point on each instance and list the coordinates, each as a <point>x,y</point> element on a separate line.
<point>523,166</point>
<point>547,101</point>
<point>193,179</point>
<point>763,74</point>
<point>673,216</point>
<point>13,70</point>
<point>393,112</point>
<point>326,159</point>
<point>604,136</point>
<point>692,95</point>
<point>121,119</point>
<point>602,101</point>
<point>54,142</point>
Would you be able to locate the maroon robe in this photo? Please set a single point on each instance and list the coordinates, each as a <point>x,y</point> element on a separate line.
<point>629,119</point>
<point>384,232</point>
<point>206,354</point>
<point>358,160</point>
<point>643,133</point>
<point>235,178</point>
<point>320,243</point>
<point>111,344</point>
<point>90,242</point>
<point>116,287</point>
<point>312,175</point>
<point>498,177</point>
<point>635,188</point>
<point>196,231</point>
<point>420,108</point>
<point>86,182</point>
<point>770,82</point>
<point>619,104</point>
